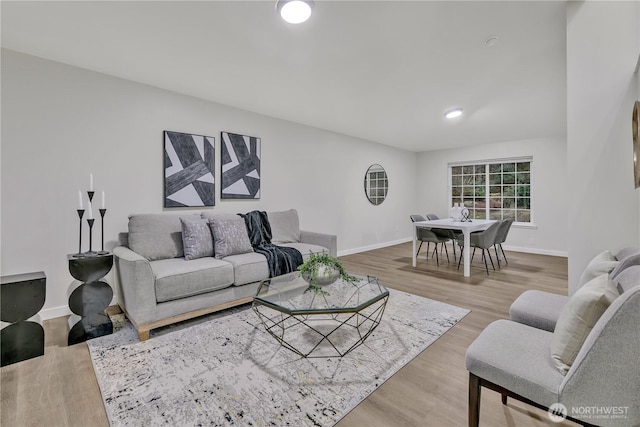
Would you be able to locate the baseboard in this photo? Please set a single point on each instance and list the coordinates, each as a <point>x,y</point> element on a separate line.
<point>536,251</point>
<point>372,247</point>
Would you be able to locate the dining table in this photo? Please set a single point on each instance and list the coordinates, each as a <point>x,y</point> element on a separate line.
<point>467,227</point>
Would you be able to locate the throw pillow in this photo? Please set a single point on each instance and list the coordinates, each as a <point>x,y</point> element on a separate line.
<point>196,238</point>
<point>230,237</point>
<point>600,264</point>
<point>285,226</point>
<point>578,317</point>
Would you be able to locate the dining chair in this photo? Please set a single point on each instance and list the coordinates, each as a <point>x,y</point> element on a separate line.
<point>483,240</point>
<point>501,236</point>
<point>426,235</point>
<point>443,232</point>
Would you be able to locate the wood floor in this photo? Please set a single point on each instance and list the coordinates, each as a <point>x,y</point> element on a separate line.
<point>60,388</point>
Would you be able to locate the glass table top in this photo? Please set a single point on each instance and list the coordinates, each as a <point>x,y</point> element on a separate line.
<point>291,294</point>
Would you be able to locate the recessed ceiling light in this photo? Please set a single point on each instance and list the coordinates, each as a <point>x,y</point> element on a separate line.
<point>294,11</point>
<point>453,113</point>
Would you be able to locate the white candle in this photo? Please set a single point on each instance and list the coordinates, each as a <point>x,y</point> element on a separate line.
<point>90,182</point>
<point>80,200</point>
<point>90,211</point>
<point>103,200</point>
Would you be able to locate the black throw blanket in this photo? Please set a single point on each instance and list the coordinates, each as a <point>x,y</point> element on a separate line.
<point>281,259</point>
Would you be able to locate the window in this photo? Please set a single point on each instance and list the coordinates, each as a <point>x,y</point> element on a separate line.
<point>497,189</point>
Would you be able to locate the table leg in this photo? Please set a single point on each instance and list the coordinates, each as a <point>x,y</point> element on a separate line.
<point>413,253</point>
<point>466,253</point>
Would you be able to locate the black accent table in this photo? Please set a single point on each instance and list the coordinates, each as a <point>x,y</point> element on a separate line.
<point>90,298</point>
<point>22,298</point>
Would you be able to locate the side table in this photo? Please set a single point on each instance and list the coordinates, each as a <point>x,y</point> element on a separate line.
<point>89,299</point>
<point>22,298</point>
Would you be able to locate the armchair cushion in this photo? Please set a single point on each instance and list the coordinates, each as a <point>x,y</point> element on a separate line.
<point>196,238</point>
<point>577,318</point>
<point>538,309</point>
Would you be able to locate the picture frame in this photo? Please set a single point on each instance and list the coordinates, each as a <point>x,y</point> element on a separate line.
<point>189,165</point>
<point>240,166</point>
<point>635,122</point>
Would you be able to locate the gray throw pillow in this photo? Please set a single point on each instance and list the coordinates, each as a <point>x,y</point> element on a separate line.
<point>230,237</point>
<point>285,226</point>
<point>599,265</point>
<point>196,238</point>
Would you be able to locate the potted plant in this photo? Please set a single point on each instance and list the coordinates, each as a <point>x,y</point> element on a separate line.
<point>322,269</point>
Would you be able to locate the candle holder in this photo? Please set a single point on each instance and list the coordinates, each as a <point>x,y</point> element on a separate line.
<point>90,221</point>
<point>102,212</point>
<point>80,254</point>
<point>90,193</point>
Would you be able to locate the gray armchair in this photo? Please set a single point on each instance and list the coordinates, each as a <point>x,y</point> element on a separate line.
<point>501,236</point>
<point>443,232</point>
<point>514,360</point>
<point>429,236</point>
<point>483,240</point>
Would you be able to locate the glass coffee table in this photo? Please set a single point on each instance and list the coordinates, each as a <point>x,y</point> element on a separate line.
<point>328,323</point>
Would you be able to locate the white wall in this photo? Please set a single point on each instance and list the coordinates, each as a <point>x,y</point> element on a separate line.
<point>548,189</point>
<point>61,122</point>
<point>603,42</point>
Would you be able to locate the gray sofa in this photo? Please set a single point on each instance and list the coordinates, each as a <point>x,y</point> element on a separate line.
<point>158,286</point>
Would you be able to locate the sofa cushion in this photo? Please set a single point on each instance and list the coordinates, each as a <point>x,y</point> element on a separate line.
<point>285,226</point>
<point>230,237</point>
<point>306,248</point>
<point>210,214</point>
<point>197,239</point>
<point>178,278</point>
<point>600,264</point>
<point>577,318</point>
<point>156,236</point>
<point>248,268</point>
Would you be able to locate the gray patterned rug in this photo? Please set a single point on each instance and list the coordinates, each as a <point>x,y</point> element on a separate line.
<point>228,371</point>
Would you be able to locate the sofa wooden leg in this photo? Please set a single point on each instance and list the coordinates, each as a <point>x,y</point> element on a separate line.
<point>474,400</point>
<point>143,334</point>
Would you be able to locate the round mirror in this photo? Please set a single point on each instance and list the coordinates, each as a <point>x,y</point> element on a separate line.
<point>376,184</point>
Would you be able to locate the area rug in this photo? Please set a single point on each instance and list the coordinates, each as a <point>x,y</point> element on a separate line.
<point>229,371</point>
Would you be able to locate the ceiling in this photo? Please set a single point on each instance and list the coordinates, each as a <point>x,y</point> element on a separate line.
<point>383,71</point>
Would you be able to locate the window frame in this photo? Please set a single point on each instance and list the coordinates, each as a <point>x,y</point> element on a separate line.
<point>487,184</point>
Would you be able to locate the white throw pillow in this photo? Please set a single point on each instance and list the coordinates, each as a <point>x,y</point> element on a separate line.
<point>578,317</point>
<point>600,264</point>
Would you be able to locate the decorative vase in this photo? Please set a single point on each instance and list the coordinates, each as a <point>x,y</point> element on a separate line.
<point>325,275</point>
<point>456,212</point>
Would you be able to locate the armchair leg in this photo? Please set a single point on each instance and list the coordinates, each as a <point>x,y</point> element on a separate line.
<point>474,400</point>
<point>446,251</point>
<point>495,249</point>
<point>419,247</point>
<point>484,258</point>
<point>460,259</point>
<point>491,259</point>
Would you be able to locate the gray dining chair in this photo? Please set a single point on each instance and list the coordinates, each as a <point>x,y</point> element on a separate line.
<point>501,236</point>
<point>483,240</point>
<point>443,232</point>
<point>426,235</point>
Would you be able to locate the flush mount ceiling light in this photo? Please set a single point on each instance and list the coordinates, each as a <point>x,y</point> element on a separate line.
<point>453,113</point>
<point>294,11</point>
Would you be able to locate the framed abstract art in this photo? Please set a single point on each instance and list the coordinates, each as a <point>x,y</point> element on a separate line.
<point>240,166</point>
<point>188,170</point>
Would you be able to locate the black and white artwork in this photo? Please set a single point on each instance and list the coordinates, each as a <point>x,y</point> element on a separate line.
<point>188,170</point>
<point>240,166</point>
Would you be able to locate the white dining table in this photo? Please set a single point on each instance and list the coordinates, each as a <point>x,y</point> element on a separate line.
<point>466,227</point>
